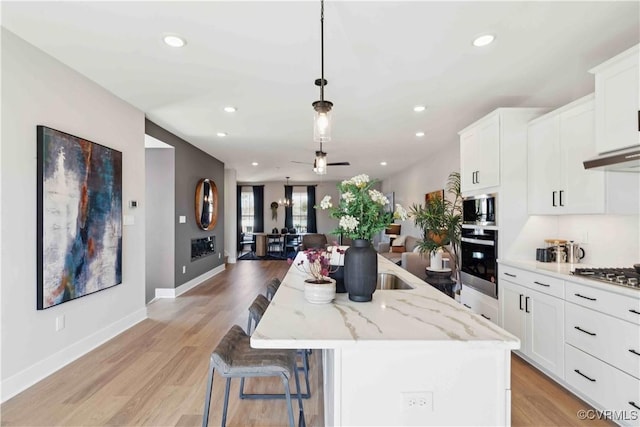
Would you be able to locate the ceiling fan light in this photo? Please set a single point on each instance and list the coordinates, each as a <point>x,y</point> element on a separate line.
<point>320,163</point>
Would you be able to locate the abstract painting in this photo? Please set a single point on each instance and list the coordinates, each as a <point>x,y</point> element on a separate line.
<point>432,195</point>
<point>79,217</point>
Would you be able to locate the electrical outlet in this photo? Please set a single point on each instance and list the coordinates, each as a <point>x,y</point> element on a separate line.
<point>220,255</point>
<point>417,401</point>
<point>184,269</point>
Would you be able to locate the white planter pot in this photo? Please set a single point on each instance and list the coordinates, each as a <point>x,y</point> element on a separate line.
<point>320,293</point>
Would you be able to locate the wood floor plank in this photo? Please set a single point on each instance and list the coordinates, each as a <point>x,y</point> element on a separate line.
<point>154,374</point>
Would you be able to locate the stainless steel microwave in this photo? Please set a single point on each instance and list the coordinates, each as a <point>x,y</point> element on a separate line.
<point>479,210</point>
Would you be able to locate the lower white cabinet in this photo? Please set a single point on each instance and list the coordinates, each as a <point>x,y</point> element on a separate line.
<point>479,303</point>
<point>608,387</point>
<point>536,318</point>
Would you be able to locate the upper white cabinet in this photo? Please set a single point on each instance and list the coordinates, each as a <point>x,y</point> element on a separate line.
<point>487,145</point>
<point>557,144</point>
<point>618,101</point>
<point>480,154</point>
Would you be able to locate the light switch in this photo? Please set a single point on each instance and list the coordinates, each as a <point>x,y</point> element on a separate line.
<point>183,219</point>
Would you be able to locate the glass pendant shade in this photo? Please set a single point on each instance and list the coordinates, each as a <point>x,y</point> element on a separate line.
<point>322,121</point>
<point>320,164</point>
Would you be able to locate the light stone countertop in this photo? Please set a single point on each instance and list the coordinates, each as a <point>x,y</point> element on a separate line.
<point>420,316</point>
<point>563,271</point>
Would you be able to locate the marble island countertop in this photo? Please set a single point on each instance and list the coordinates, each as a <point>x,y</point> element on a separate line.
<point>563,271</point>
<point>418,316</point>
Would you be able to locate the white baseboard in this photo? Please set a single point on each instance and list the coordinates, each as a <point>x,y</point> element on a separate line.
<point>173,293</point>
<point>38,371</point>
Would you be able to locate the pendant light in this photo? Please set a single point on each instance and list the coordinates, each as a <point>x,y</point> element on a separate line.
<point>320,162</point>
<point>322,115</point>
<point>287,203</point>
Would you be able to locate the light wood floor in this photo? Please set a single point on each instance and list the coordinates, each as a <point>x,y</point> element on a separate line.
<point>154,373</point>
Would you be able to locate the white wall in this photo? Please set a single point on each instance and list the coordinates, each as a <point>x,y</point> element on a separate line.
<point>230,215</point>
<point>160,168</point>
<point>39,90</point>
<point>430,174</point>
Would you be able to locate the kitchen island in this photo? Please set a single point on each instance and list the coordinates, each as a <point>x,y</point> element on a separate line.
<point>408,357</point>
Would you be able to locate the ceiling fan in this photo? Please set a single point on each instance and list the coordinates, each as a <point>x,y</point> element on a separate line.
<point>320,162</point>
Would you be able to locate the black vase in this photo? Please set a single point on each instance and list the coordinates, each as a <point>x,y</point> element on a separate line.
<point>360,270</point>
<point>337,274</point>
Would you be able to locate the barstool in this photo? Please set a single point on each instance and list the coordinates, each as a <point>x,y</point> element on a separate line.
<point>272,287</point>
<point>234,357</point>
<point>256,311</point>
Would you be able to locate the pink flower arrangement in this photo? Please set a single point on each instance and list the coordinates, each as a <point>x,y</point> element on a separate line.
<point>318,262</point>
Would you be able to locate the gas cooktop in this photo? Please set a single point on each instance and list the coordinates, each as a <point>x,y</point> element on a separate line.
<point>627,277</point>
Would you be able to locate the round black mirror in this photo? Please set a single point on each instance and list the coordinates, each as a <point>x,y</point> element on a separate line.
<point>206,204</point>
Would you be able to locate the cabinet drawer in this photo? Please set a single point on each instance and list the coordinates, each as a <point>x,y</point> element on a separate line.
<point>538,282</point>
<point>610,388</point>
<point>617,305</point>
<point>612,340</point>
<point>481,304</point>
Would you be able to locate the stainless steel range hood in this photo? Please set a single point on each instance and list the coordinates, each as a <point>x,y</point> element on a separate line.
<point>619,161</point>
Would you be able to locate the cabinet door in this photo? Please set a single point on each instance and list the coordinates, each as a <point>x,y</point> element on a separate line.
<point>581,191</point>
<point>544,331</point>
<point>617,103</point>
<point>468,160</point>
<point>488,170</point>
<point>543,150</point>
<point>512,299</point>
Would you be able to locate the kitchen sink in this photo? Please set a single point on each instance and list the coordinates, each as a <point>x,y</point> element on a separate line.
<point>388,281</point>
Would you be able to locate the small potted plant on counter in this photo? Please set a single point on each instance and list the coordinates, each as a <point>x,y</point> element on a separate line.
<point>319,288</point>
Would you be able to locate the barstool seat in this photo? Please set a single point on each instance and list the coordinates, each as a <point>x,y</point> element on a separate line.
<point>272,286</point>
<point>235,358</point>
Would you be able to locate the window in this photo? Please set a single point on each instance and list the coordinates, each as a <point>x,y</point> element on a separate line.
<point>300,209</point>
<point>246,206</point>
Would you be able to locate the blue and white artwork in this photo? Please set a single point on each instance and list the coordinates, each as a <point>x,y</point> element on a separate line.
<point>79,217</point>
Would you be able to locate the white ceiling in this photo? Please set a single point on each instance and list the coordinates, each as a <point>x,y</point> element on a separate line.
<point>381,59</point>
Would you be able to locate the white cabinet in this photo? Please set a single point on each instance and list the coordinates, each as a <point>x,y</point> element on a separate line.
<point>479,303</point>
<point>480,154</point>
<point>557,144</point>
<point>617,101</point>
<point>536,318</point>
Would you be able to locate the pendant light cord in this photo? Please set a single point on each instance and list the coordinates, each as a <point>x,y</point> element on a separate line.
<point>322,50</point>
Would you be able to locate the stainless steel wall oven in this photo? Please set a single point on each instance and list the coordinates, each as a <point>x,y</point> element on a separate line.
<point>478,259</point>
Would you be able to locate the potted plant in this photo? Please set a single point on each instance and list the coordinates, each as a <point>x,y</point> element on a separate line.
<point>361,212</point>
<point>318,288</point>
<point>440,220</point>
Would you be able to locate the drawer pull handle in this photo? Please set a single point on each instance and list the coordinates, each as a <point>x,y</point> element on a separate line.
<point>586,332</point>
<point>521,301</point>
<point>510,275</point>
<point>634,405</point>
<point>466,305</point>
<point>589,298</point>
<point>634,311</point>
<point>581,374</point>
<point>526,304</point>
<point>634,352</point>
<point>542,284</point>
<point>488,318</point>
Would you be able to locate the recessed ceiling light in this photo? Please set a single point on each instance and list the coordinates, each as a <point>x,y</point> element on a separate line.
<point>419,134</point>
<point>254,163</point>
<point>221,134</point>
<point>419,108</point>
<point>230,109</point>
<point>484,40</point>
<point>383,163</point>
<point>174,40</point>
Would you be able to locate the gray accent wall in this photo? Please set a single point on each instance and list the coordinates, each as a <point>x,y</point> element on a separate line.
<point>159,217</point>
<point>191,165</point>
